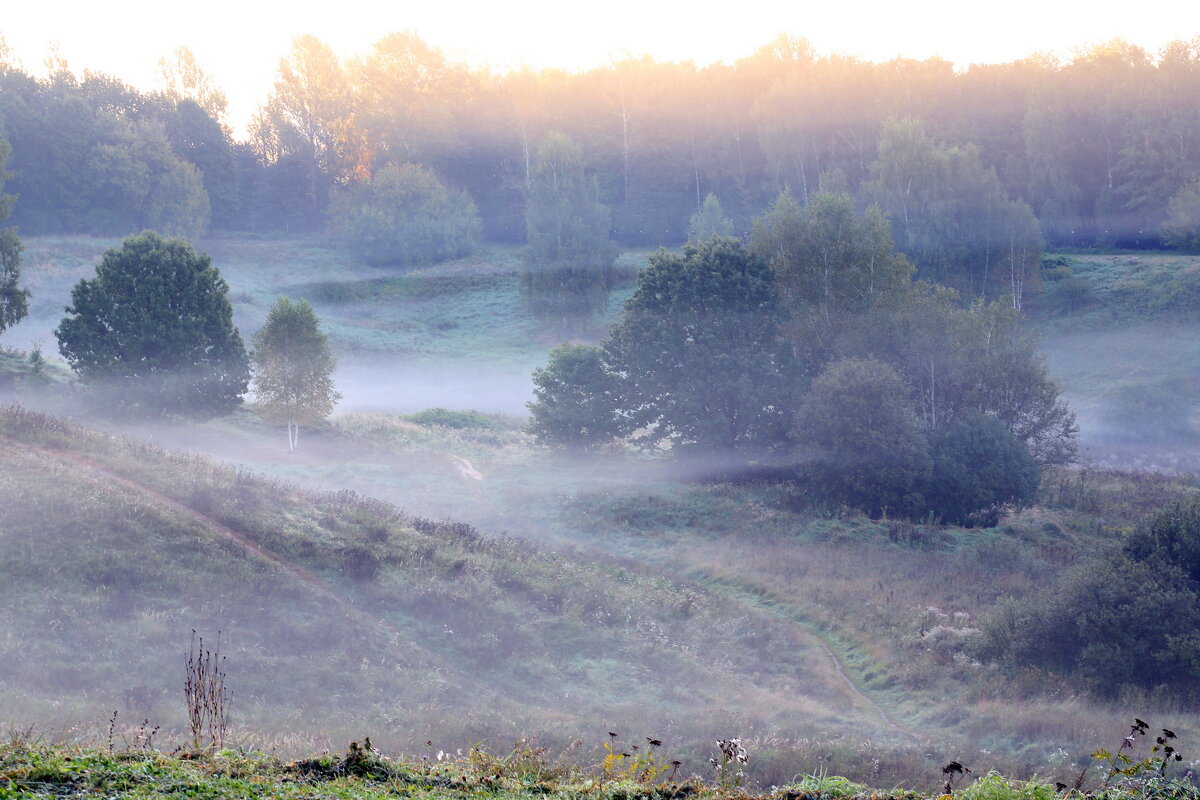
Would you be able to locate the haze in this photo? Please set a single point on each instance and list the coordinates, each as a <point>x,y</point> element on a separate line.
<point>240,43</point>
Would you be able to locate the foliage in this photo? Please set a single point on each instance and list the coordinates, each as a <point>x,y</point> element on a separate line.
<point>154,330</point>
<point>980,358</point>
<point>979,468</point>
<point>1182,228</point>
<point>865,447</point>
<point>952,217</point>
<point>404,215</point>
<point>831,265</point>
<point>293,368</point>
<point>709,221</point>
<point>13,299</point>
<point>1126,618</point>
<point>697,352</point>
<point>569,261</point>
<point>447,418</point>
<point>574,399</point>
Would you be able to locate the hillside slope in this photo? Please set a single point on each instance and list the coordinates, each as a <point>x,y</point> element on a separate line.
<point>344,615</point>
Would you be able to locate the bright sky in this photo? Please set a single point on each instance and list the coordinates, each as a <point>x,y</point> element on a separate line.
<point>240,42</point>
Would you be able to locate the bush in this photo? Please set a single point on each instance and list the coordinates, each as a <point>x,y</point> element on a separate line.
<point>978,469</point>
<point>404,215</point>
<point>1129,618</point>
<point>445,418</point>
<point>573,404</point>
<point>866,445</point>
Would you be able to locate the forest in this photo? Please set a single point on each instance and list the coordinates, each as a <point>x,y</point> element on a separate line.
<point>1102,149</point>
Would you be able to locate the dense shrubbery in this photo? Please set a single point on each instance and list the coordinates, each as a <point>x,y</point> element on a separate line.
<point>1128,618</point>
<point>404,215</point>
<point>870,451</point>
<point>573,404</point>
<point>814,346</point>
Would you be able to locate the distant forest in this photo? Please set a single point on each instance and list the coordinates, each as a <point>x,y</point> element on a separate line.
<point>1098,148</point>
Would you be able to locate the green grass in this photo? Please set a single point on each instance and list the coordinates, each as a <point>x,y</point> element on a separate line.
<point>35,769</point>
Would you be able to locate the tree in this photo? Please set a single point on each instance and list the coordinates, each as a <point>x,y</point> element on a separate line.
<point>709,221</point>
<point>574,399</point>
<point>569,261</point>
<point>831,265</point>
<point>861,440</point>
<point>13,299</point>
<point>404,215</point>
<point>1130,616</point>
<point>185,80</point>
<point>978,358</point>
<point>979,467</point>
<point>1182,228</point>
<point>154,330</point>
<point>952,217</point>
<point>698,353</point>
<point>293,368</point>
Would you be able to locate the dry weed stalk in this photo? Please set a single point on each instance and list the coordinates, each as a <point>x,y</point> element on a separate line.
<point>207,697</point>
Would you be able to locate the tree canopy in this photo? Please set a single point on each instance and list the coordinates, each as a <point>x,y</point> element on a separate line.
<point>13,299</point>
<point>697,351</point>
<point>153,330</point>
<point>404,215</point>
<point>293,368</point>
<point>569,259</point>
<point>574,403</point>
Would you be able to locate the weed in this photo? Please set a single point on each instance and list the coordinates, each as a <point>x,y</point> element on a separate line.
<point>732,753</point>
<point>206,694</point>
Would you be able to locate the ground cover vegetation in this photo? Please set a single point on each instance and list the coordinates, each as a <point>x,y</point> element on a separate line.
<point>827,505</point>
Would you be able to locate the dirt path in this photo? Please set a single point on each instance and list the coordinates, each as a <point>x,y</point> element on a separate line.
<point>772,605</point>
<point>322,587</point>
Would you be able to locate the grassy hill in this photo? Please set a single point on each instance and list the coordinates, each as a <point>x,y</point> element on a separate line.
<point>341,615</point>
<point>649,602</point>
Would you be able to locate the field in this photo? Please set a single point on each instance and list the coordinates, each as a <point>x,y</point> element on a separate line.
<point>615,591</point>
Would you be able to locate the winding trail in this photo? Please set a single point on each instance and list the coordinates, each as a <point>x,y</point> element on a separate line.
<point>746,593</point>
<point>771,604</point>
<point>320,586</point>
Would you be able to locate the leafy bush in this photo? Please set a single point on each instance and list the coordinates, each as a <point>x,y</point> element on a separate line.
<point>867,447</point>
<point>1129,618</point>
<point>404,215</point>
<point>978,468</point>
<point>445,418</point>
<point>573,404</point>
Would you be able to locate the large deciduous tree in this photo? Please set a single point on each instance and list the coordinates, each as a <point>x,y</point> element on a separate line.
<point>574,405</point>
<point>154,330</point>
<point>861,440</point>
<point>698,353</point>
<point>293,368</point>
<point>831,265</point>
<point>569,261</point>
<point>13,299</point>
<point>952,217</point>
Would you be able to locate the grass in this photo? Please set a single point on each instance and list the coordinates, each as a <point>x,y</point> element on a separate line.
<point>648,597</point>
<point>33,769</point>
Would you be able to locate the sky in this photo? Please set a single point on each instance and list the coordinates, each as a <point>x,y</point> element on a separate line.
<point>240,42</point>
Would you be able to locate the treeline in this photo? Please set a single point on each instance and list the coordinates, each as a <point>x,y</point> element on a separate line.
<point>1103,149</point>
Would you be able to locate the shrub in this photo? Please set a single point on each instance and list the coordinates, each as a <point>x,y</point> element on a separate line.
<point>573,404</point>
<point>404,215</point>
<point>978,468</point>
<point>866,445</point>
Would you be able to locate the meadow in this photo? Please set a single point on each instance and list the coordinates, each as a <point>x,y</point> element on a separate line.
<point>617,592</point>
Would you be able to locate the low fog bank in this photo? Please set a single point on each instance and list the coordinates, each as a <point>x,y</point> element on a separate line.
<point>405,387</point>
